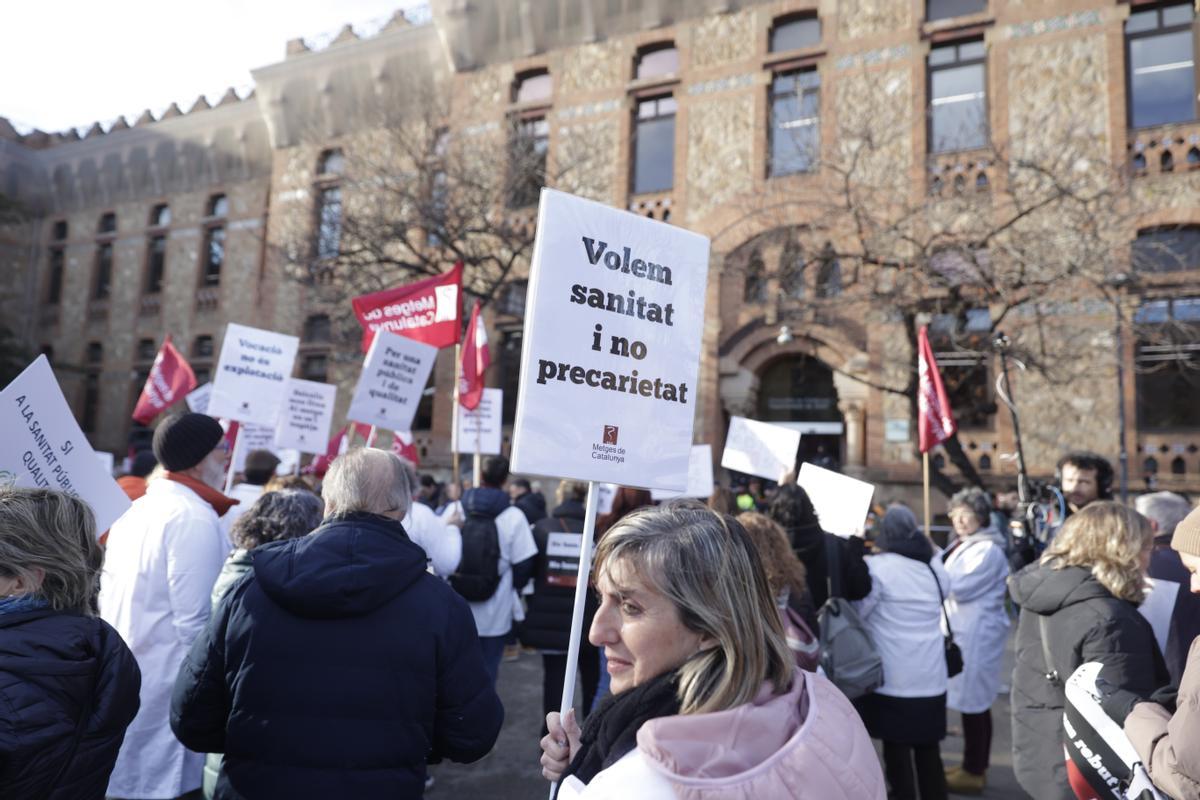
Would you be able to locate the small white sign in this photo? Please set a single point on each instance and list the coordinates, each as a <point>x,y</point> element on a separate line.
<point>700,476</point>
<point>760,448</point>
<point>606,493</point>
<point>307,416</point>
<point>252,374</point>
<point>393,377</point>
<point>480,428</point>
<point>197,399</point>
<point>44,447</point>
<point>895,430</point>
<point>253,437</point>
<point>611,354</point>
<point>841,502</point>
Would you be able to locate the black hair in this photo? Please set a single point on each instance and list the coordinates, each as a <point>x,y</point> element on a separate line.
<point>521,483</point>
<point>1083,459</point>
<point>792,508</point>
<point>495,471</point>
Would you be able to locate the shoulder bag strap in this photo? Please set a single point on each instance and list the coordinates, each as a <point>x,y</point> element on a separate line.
<point>1051,673</point>
<point>942,603</point>
<point>833,565</point>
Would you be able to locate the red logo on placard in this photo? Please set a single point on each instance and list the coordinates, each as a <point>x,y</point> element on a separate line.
<point>610,434</point>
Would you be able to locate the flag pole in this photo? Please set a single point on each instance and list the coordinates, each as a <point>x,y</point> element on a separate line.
<point>925,471</point>
<point>581,590</point>
<point>371,437</point>
<point>454,415</point>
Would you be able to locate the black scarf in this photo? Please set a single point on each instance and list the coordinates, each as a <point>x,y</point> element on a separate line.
<point>610,731</point>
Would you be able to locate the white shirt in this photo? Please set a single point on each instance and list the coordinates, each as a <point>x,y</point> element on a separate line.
<point>494,616</point>
<point>163,557</point>
<point>442,543</point>
<point>247,494</point>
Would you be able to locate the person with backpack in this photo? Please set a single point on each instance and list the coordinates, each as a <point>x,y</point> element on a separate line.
<point>792,508</point>
<point>547,626</point>
<point>498,554</point>
<point>903,614</point>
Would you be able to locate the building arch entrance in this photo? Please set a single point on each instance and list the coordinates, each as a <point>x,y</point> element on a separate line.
<point>798,391</point>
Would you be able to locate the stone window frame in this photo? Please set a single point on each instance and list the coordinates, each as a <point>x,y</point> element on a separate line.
<point>959,39</point>
<point>104,257</point>
<point>779,70</point>
<point>523,118</point>
<point>778,62</point>
<point>214,224</point>
<point>1164,336</point>
<point>1157,6</point>
<point>327,246</point>
<point>156,228</point>
<point>651,88</point>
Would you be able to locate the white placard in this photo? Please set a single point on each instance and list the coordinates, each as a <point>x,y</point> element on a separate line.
<point>611,354</point>
<point>252,375</point>
<point>841,502</point>
<point>253,437</point>
<point>760,448</point>
<point>197,399</point>
<point>393,377</point>
<point>307,416</point>
<point>482,424</point>
<point>700,476</point>
<point>44,447</point>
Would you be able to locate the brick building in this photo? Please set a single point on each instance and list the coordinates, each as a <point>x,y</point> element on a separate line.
<point>711,114</point>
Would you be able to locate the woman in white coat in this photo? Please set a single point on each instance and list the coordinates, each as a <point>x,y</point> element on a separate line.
<point>978,568</point>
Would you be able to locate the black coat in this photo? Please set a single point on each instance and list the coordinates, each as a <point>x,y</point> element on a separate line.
<point>532,505</point>
<point>811,545</point>
<point>338,667</point>
<point>1085,622</point>
<point>55,667</point>
<point>549,609</point>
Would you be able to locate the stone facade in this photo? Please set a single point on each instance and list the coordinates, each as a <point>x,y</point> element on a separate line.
<point>1055,79</point>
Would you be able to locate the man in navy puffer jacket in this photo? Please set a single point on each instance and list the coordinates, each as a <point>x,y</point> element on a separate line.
<point>338,667</point>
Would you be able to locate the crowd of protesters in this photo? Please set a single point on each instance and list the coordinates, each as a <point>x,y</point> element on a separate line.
<point>730,647</point>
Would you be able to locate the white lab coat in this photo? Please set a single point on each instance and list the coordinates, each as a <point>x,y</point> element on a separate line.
<point>978,570</point>
<point>246,494</point>
<point>442,543</point>
<point>163,557</point>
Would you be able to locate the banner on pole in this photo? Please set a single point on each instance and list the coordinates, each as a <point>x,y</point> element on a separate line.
<point>170,378</point>
<point>393,377</point>
<point>197,400</point>
<point>700,477</point>
<point>615,312</point>
<point>841,502</point>
<point>45,449</point>
<point>760,448</point>
<point>252,374</point>
<point>307,416</point>
<point>475,360</point>
<point>483,423</point>
<point>935,423</point>
<point>428,311</point>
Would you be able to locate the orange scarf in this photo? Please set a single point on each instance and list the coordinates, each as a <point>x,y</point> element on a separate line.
<point>219,502</point>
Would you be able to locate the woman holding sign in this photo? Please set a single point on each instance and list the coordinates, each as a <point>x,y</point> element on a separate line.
<point>705,693</point>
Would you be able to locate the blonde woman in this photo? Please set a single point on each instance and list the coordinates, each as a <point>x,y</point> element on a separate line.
<point>1079,604</point>
<point>706,699</point>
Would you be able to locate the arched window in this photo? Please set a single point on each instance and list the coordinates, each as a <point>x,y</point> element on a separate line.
<point>160,216</point>
<point>1178,466</point>
<point>829,277</point>
<point>985,462</point>
<point>317,328</point>
<point>791,271</point>
<point>218,206</point>
<point>108,223</point>
<point>755,287</point>
<point>533,86</point>
<point>657,60</point>
<point>1150,466</point>
<point>331,162</point>
<point>794,31</point>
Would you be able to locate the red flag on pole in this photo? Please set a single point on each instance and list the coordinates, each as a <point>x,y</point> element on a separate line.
<point>429,310</point>
<point>475,359</point>
<point>170,378</point>
<point>936,421</point>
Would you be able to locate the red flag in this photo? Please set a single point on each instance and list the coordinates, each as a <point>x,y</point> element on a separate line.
<point>475,360</point>
<point>936,421</point>
<point>429,310</point>
<point>170,378</point>
<point>405,446</point>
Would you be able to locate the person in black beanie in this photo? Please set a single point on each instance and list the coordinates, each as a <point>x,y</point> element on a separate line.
<point>163,557</point>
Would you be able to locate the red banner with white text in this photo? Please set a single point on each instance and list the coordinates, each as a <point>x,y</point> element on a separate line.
<point>428,311</point>
<point>170,379</point>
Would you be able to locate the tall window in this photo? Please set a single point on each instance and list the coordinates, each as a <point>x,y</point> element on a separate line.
<point>654,145</point>
<point>1167,362</point>
<point>957,97</point>
<point>102,285</point>
<point>656,61</point>
<point>529,143</point>
<point>54,280</point>
<point>1172,249</point>
<point>202,353</point>
<point>213,256</point>
<point>829,276</point>
<point>791,271</point>
<point>795,121</point>
<point>317,329</point>
<point>332,163</point>
<point>754,290</point>
<point>93,361</point>
<point>795,32</point>
<point>329,222</point>
<point>156,264</point>
<point>944,9</point>
<point>60,230</point>
<point>960,345</point>
<point>1160,45</point>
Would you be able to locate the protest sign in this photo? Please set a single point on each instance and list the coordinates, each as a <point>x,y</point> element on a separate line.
<point>252,374</point>
<point>44,447</point>
<point>393,377</point>
<point>427,310</point>
<point>841,502</point>
<point>700,476</point>
<point>606,493</point>
<point>252,437</point>
<point>197,400</point>
<point>482,424</point>
<point>760,448</point>
<point>611,352</point>
<point>306,417</point>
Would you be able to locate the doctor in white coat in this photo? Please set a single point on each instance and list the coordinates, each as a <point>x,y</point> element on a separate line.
<point>163,558</point>
<point>978,568</point>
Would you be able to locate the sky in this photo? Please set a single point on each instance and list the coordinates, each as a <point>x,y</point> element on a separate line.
<point>69,63</point>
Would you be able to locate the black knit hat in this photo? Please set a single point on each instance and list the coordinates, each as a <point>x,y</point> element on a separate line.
<point>183,441</point>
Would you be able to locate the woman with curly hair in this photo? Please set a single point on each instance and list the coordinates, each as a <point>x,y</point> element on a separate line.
<point>785,573</point>
<point>1079,603</point>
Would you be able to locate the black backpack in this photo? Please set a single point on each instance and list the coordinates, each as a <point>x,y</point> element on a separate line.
<point>478,573</point>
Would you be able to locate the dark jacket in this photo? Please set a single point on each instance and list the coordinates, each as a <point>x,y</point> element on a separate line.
<point>55,667</point>
<point>1166,565</point>
<point>810,544</point>
<point>338,668</point>
<point>1085,622</point>
<point>532,505</point>
<point>549,609</point>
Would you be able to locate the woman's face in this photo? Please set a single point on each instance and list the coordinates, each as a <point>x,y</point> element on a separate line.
<point>964,520</point>
<point>639,629</point>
